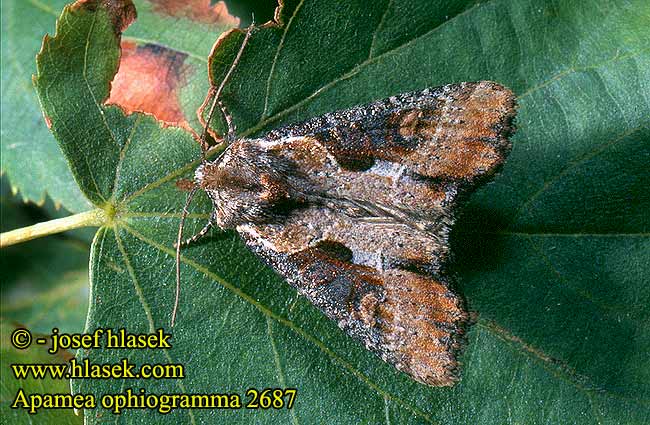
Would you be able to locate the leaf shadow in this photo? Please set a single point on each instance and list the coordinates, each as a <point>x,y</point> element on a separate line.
<point>532,301</point>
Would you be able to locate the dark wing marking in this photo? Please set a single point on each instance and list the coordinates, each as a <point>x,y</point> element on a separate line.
<point>412,321</point>
<point>454,132</point>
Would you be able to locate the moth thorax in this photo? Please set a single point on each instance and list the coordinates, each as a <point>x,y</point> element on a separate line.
<point>210,176</point>
<point>238,196</point>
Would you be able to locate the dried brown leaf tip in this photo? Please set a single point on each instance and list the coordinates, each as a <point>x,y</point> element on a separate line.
<point>197,10</point>
<point>122,12</point>
<point>148,80</point>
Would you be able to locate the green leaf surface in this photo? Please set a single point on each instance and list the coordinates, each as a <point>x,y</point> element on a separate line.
<point>172,40</point>
<point>553,256</point>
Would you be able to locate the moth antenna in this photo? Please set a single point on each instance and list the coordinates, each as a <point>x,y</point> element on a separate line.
<point>203,142</point>
<point>178,252</point>
<point>232,129</point>
<point>217,93</point>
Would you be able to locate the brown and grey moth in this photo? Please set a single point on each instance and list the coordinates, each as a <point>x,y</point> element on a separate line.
<point>354,208</point>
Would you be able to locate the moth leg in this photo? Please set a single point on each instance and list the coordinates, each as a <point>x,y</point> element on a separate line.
<point>229,123</point>
<point>202,232</point>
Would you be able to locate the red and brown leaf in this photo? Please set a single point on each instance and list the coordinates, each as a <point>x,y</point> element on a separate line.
<point>148,81</point>
<point>198,10</point>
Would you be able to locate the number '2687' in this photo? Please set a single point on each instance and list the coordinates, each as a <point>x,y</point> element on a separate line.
<point>271,398</point>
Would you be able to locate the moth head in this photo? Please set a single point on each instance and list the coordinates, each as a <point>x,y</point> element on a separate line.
<point>245,185</point>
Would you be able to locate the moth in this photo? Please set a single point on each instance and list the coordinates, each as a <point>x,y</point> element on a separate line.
<point>354,209</point>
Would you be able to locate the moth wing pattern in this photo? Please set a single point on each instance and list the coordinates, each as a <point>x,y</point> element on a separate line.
<point>354,209</point>
<point>412,321</point>
<point>454,132</point>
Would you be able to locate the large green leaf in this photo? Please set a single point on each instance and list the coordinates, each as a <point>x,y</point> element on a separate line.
<point>169,45</point>
<point>551,256</point>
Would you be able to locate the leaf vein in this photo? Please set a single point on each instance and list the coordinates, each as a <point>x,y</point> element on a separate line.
<point>386,411</point>
<point>275,58</point>
<point>570,166</point>
<point>573,70</point>
<point>120,162</point>
<point>84,156</point>
<point>560,370</point>
<point>176,173</point>
<point>155,214</point>
<point>278,365</point>
<point>136,284</point>
<point>583,294</point>
<point>608,92</point>
<point>84,72</point>
<point>379,27</point>
<point>149,186</point>
<point>146,308</point>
